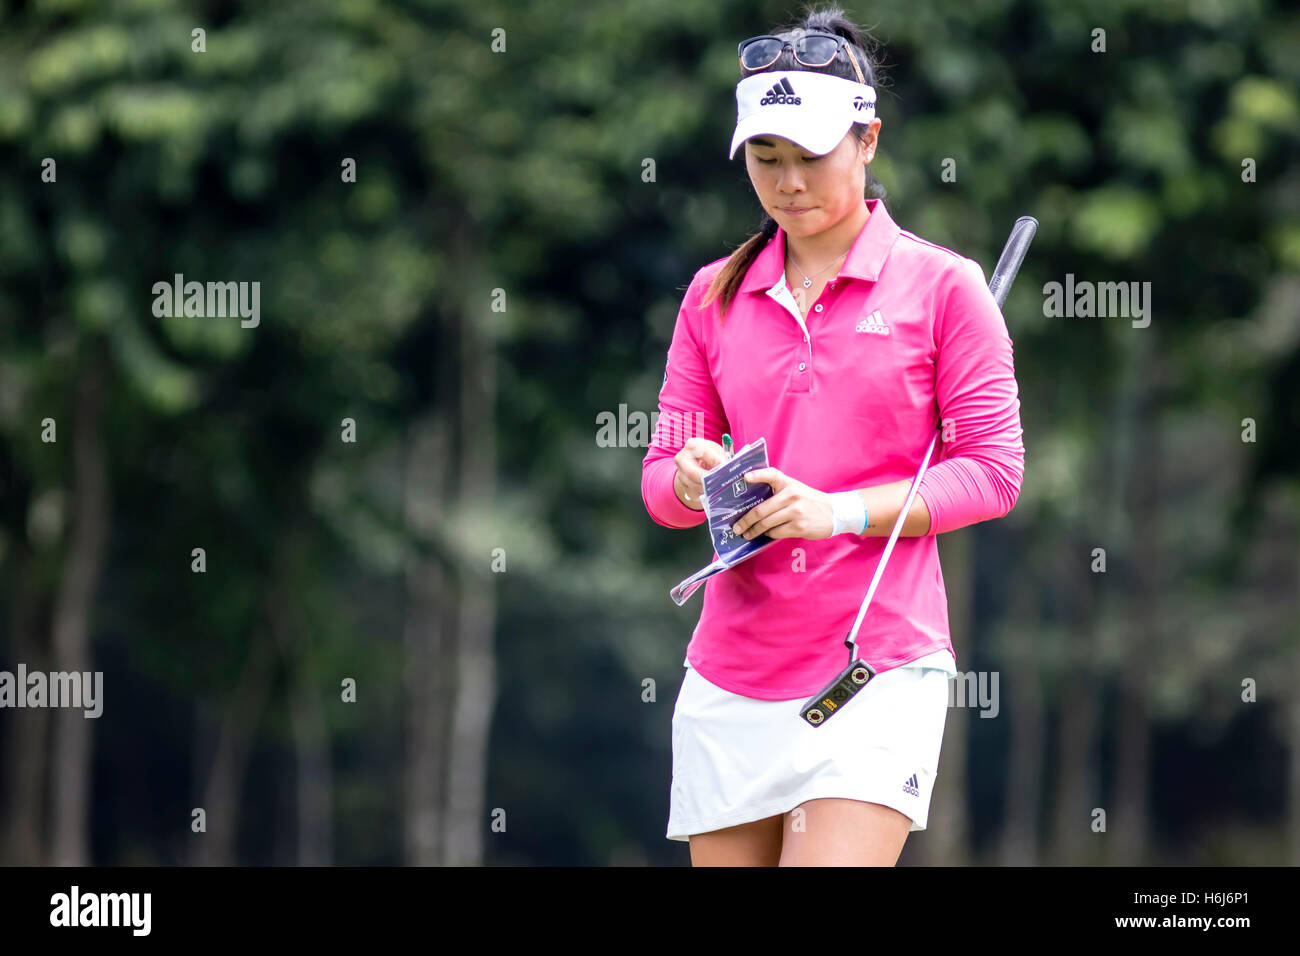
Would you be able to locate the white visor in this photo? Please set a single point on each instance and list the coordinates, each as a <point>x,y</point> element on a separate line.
<point>814,110</point>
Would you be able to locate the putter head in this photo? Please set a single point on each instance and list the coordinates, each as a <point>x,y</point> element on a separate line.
<point>822,706</point>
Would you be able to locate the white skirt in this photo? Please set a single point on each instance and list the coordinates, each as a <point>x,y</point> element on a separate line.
<point>737,759</point>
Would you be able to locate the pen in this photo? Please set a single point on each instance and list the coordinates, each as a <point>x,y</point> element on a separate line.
<point>726,444</point>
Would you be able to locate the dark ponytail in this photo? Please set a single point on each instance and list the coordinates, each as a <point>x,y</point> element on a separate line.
<point>828,19</point>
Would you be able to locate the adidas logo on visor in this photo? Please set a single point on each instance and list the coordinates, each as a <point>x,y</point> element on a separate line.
<point>782,92</point>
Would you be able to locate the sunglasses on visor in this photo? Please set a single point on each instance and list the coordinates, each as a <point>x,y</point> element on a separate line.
<point>810,49</point>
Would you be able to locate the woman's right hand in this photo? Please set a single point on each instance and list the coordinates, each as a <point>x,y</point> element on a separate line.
<point>697,456</point>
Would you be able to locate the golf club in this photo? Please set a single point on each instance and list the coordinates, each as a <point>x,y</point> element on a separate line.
<point>826,703</point>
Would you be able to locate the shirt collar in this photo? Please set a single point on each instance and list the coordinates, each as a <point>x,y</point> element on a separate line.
<point>866,255</point>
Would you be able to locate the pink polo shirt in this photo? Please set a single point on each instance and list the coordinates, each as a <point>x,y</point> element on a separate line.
<point>849,397</point>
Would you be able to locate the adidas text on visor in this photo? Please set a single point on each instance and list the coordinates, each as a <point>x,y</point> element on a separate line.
<point>814,110</point>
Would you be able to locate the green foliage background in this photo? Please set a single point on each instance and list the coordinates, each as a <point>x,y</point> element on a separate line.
<point>522,171</point>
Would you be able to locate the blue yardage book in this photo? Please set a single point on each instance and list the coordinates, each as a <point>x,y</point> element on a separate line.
<point>727,497</point>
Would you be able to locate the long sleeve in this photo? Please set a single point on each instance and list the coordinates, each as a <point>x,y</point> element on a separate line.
<point>981,439</point>
<point>688,407</point>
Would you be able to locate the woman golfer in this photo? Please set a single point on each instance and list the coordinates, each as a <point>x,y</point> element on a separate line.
<point>846,342</point>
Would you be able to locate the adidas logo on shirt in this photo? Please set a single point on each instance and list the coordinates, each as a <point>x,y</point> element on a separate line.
<point>873,324</point>
<point>909,786</point>
<point>783,92</point>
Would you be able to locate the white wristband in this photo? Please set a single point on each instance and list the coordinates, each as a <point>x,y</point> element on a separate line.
<point>848,512</point>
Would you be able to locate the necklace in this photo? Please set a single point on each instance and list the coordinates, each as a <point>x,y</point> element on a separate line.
<point>800,296</point>
<point>807,279</point>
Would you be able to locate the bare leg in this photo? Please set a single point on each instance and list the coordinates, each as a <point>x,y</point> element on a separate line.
<point>747,844</point>
<point>838,832</point>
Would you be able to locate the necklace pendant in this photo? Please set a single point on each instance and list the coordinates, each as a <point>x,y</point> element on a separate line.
<point>807,282</point>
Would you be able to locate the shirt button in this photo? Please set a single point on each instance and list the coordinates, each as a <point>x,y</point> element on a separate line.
<point>801,366</point>
<point>817,307</point>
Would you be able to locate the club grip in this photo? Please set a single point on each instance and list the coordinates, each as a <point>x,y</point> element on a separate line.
<point>1013,254</point>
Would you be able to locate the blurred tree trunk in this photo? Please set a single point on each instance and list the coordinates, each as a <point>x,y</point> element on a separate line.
<point>425,636</point>
<point>451,611</point>
<point>947,834</point>
<point>475,687</point>
<point>1090,596</point>
<point>225,778</point>
<point>1291,735</point>
<point>1144,639</point>
<point>1023,799</point>
<point>1076,784</point>
<point>72,759</point>
<point>315,775</point>
<point>27,730</point>
<point>313,771</point>
<point>1291,802</point>
<point>1087,597</point>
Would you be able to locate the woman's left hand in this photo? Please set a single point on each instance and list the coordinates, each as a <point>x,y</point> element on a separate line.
<point>795,510</point>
